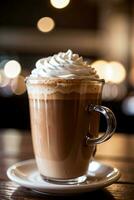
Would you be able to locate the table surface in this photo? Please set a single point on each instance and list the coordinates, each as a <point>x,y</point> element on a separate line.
<point>16,146</point>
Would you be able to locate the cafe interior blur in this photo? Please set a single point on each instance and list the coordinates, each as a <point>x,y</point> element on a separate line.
<point>100,31</point>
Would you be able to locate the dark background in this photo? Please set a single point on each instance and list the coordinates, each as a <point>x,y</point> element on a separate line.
<point>20,40</point>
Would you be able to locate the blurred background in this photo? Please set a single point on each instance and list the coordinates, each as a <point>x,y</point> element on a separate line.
<point>101,31</point>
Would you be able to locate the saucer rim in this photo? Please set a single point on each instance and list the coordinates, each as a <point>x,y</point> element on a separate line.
<point>75,188</point>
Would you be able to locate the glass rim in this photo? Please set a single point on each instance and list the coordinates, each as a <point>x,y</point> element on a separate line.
<point>40,80</point>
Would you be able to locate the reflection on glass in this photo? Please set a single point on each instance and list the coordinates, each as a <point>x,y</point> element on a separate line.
<point>93,166</point>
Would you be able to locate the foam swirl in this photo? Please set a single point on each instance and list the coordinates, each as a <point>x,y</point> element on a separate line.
<point>63,65</point>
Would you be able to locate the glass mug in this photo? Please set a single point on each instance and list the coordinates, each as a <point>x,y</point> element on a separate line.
<point>65,126</point>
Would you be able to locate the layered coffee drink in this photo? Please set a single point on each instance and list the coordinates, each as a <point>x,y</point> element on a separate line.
<point>60,88</point>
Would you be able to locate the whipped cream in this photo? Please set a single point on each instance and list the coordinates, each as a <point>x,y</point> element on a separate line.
<point>63,65</point>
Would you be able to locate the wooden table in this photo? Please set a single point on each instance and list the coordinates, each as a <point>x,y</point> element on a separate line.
<point>119,152</point>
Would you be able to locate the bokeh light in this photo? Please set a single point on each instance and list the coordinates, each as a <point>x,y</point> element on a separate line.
<point>18,86</point>
<point>116,72</point>
<point>3,62</point>
<point>131,76</point>
<point>59,3</point>
<point>4,81</point>
<point>128,105</point>
<point>12,69</point>
<point>6,91</point>
<point>113,72</point>
<point>112,91</point>
<point>100,66</point>
<point>46,24</point>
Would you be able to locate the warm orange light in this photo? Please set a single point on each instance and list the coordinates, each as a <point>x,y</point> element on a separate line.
<point>46,24</point>
<point>110,71</point>
<point>18,85</point>
<point>100,66</point>
<point>116,72</point>
<point>59,3</point>
<point>131,76</point>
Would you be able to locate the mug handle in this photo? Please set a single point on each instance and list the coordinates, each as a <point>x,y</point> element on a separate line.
<point>111,124</point>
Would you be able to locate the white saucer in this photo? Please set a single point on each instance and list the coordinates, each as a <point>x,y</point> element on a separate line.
<point>25,173</point>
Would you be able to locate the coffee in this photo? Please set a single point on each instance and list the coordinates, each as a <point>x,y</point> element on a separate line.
<point>60,123</point>
<point>65,95</point>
